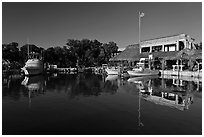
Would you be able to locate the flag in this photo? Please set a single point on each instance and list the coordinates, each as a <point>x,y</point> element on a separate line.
<point>141,14</point>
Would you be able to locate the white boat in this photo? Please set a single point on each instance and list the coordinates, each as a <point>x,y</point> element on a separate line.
<point>34,65</point>
<point>112,71</point>
<point>144,72</point>
<point>111,77</point>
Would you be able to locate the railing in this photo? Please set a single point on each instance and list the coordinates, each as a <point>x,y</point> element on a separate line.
<point>178,67</point>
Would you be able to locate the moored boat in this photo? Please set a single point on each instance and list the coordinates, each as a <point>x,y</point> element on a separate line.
<point>112,71</point>
<point>111,77</point>
<point>34,65</point>
<point>144,72</point>
<point>142,69</point>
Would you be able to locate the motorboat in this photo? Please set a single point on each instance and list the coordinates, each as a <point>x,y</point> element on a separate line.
<point>112,71</point>
<point>142,69</point>
<point>111,77</point>
<point>143,72</point>
<point>34,65</point>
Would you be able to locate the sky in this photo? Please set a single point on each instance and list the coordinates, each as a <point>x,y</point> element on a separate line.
<point>50,24</point>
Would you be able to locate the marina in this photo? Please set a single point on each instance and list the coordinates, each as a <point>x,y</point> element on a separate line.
<point>102,68</point>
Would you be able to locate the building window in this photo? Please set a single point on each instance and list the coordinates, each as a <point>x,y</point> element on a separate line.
<point>146,49</point>
<point>181,45</point>
<point>170,47</point>
<point>157,48</point>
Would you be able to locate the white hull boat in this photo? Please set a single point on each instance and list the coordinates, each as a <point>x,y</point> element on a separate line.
<point>112,71</point>
<point>111,77</point>
<point>145,72</point>
<point>33,66</point>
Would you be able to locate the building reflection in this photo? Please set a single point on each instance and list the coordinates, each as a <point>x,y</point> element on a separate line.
<point>175,93</point>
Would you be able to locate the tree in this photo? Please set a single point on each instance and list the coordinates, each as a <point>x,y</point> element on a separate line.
<point>91,52</point>
<point>86,51</point>
<point>109,49</point>
<point>49,55</point>
<point>10,51</point>
<point>81,53</point>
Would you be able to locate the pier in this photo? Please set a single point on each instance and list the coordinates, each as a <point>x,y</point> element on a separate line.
<point>67,70</point>
<point>181,77</point>
<point>194,74</point>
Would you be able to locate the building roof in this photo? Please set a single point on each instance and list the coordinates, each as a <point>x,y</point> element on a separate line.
<point>132,53</point>
<point>181,34</point>
<point>189,54</point>
<point>164,54</point>
<point>128,53</point>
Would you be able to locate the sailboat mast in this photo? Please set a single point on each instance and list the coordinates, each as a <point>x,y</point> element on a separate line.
<point>28,46</point>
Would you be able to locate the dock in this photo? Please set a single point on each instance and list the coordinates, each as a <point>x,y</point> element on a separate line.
<point>186,78</point>
<point>194,74</point>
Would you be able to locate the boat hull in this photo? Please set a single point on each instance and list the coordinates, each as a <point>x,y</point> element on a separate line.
<point>33,67</point>
<point>35,71</point>
<point>137,73</point>
<point>111,77</point>
<point>112,71</point>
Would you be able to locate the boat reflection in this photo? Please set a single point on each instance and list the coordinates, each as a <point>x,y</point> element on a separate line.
<point>35,86</point>
<point>156,91</point>
<point>6,82</point>
<point>111,77</point>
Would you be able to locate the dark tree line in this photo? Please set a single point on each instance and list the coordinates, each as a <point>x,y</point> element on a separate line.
<point>83,52</point>
<point>16,56</point>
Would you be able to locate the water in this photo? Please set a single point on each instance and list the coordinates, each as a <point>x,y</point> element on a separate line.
<point>93,104</point>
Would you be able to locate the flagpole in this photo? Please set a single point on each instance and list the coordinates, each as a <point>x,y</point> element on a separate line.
<point>139,31</point>
<point>139,90</point>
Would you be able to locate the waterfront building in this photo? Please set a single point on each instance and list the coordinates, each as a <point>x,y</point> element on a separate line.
<point>168,43</point>
<point>174,53</point>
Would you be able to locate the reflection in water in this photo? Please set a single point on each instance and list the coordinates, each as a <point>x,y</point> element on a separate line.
<point>169,92</point>
<point>11,87</point>
<point>101,105</point>
<point>140,124</point>
<point>86,85</point>
<point>173,93</point>
<point>35,86</point>
<point>111,77</point>
<point>6,82</point>
<point>82,85</point>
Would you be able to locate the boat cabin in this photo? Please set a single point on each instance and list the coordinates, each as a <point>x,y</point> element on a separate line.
<point>34,55</point>
<point>143,63</point>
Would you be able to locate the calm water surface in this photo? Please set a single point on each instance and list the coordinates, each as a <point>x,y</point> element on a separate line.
<point>93,104</point>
